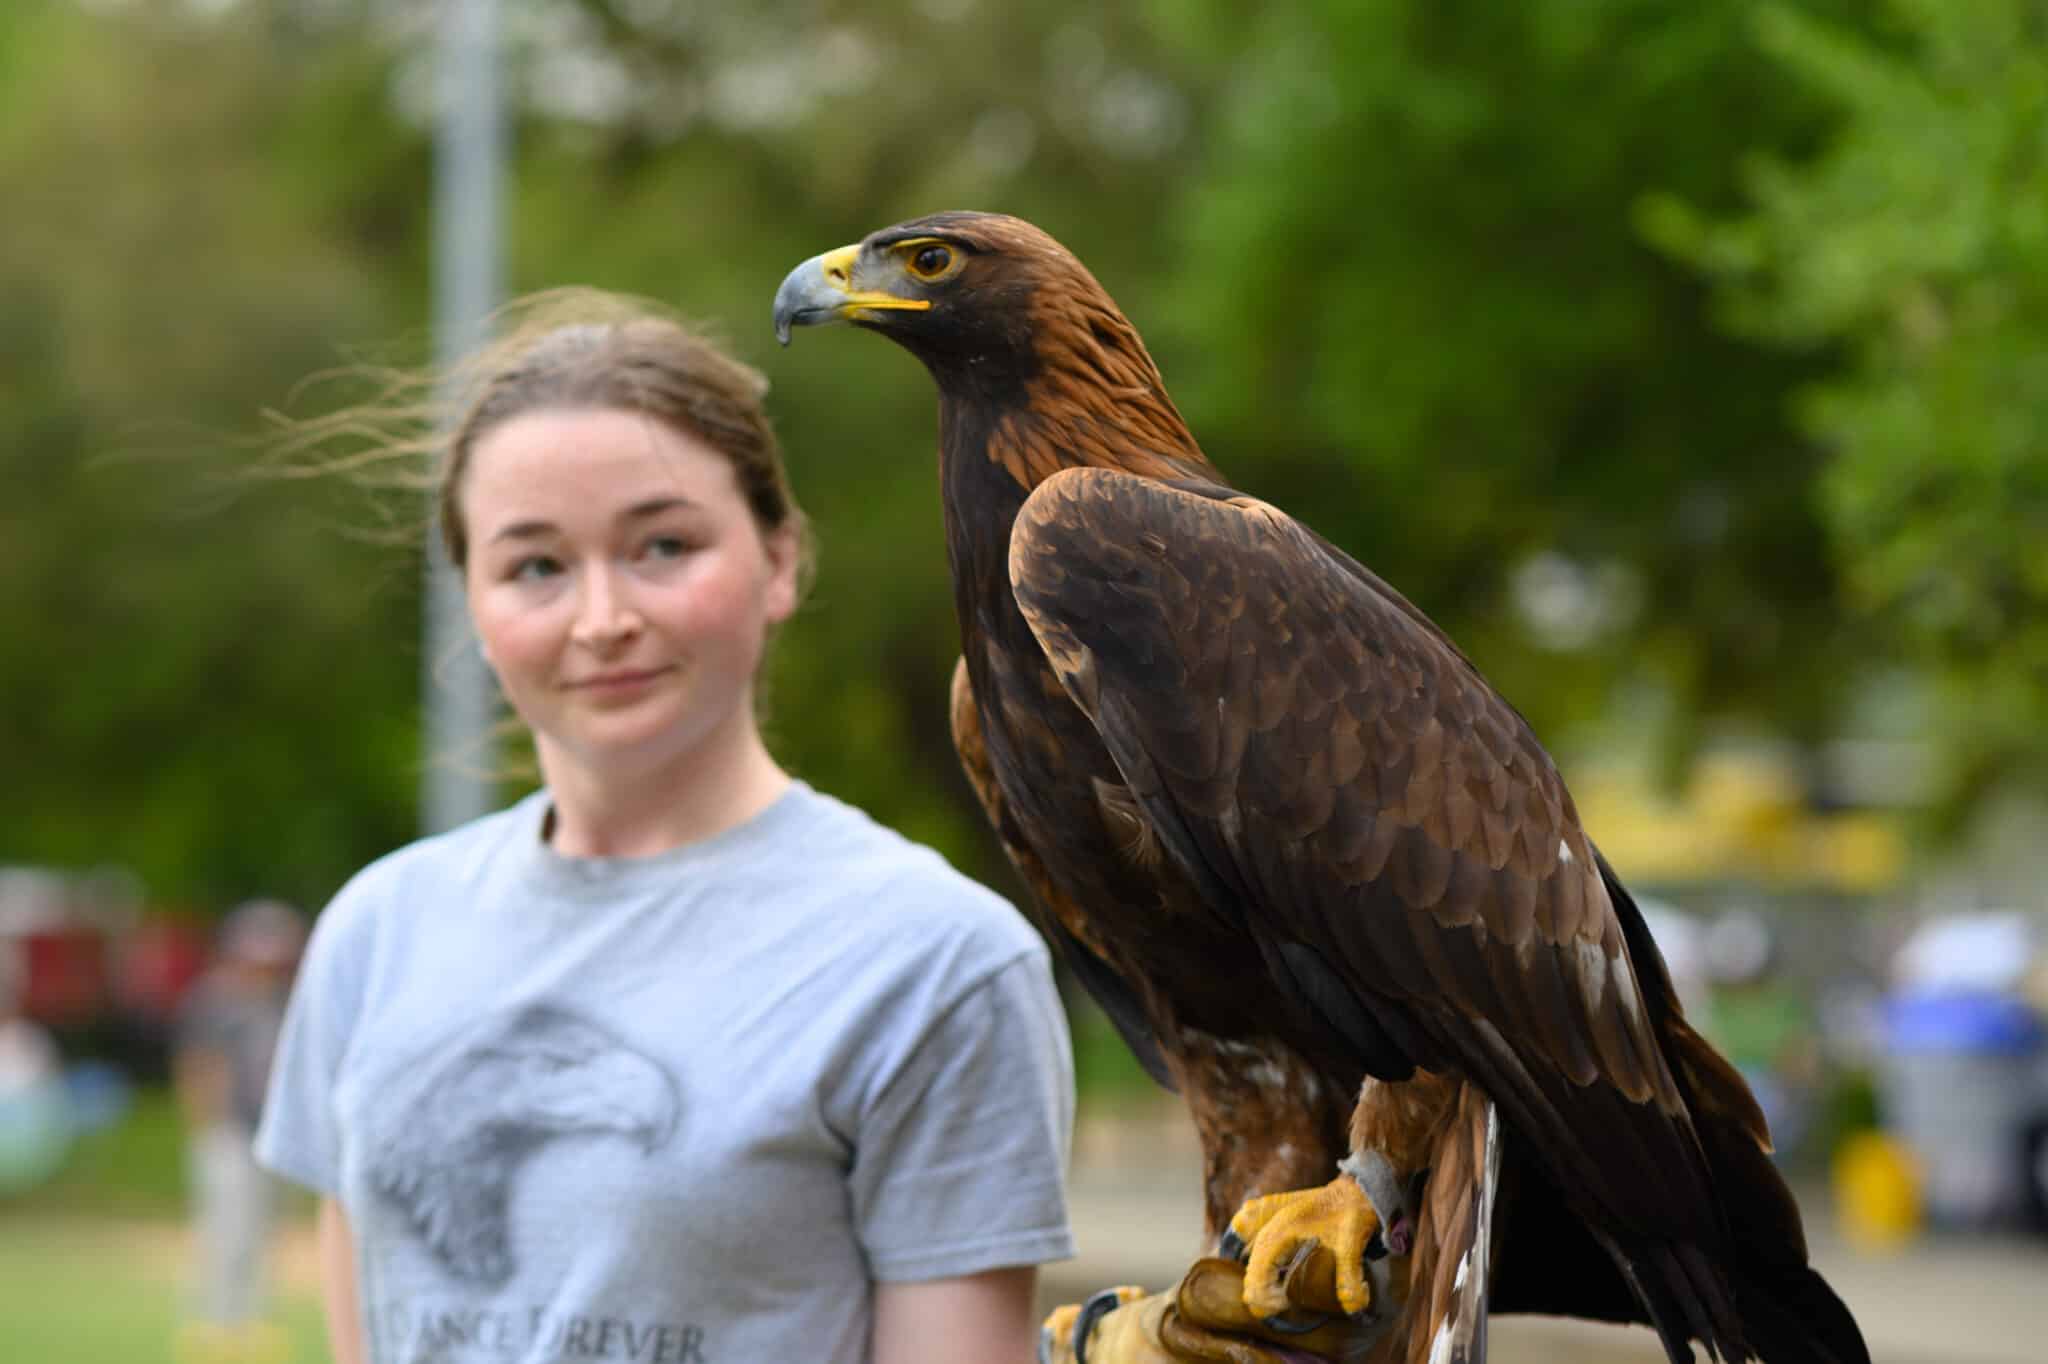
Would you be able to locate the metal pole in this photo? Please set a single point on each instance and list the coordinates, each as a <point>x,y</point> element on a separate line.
<point>458,693</point>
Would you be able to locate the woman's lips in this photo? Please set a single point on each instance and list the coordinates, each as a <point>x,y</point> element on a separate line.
<point>619,681</point>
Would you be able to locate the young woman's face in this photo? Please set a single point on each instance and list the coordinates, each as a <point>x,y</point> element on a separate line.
<point>619,585</point>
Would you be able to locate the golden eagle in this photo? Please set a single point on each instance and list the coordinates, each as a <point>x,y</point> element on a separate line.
<point>1322,876</point>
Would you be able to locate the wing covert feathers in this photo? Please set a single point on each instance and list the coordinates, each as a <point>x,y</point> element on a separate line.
<point>1305,742</point>
<point>1058,917</point>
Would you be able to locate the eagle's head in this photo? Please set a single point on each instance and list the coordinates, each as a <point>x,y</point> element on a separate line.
<point>543,1072</point>
<point>952,288</point>
<point>1036,366</point>
<point>465,1117</point>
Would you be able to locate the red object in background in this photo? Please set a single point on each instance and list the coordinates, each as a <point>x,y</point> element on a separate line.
<point>65,981</point>
<point>158,961</point>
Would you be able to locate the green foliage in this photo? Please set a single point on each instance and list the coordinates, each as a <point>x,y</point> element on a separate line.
<point>1915,245</point>
<point>1408,267</point>
<point>1418,308</point>
<point>1106,1075</point>
<point>175,629</point>
<point>220,685</point>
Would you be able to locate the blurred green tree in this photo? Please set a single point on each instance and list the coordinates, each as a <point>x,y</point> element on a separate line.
<point>1392,257</point>
<point>1416,306</point>
<point>1914,245</point>
<point>214,681</point>
<point>185,687</point>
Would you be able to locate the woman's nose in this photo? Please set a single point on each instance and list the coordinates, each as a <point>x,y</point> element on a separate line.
<point>604,617</point>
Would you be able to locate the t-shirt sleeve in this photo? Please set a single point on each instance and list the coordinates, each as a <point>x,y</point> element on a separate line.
<point>298,1136</point>
<point>960,1162</point>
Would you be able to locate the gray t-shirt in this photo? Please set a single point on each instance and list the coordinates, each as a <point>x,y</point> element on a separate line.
<point>680,1109</point>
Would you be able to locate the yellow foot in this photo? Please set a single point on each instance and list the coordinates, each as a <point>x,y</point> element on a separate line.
<point>1071,1333</point>
<point>1281,1230</point>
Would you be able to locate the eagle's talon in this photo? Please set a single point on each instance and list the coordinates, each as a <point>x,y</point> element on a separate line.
<point>1072,1324</point>
<point>1282,1229</point>
<point>1232,1246</point>
<point>1296,1323</point>
<point>1098,1306</point>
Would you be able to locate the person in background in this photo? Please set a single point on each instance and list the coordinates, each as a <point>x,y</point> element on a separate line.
<point>677,1058</point>
<point>227,1031</point>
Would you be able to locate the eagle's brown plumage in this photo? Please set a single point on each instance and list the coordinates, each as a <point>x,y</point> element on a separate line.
<point>1287,834</point>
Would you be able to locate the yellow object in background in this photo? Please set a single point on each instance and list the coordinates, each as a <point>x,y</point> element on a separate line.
<point>1877,1191</point>
<point>255,1342</point>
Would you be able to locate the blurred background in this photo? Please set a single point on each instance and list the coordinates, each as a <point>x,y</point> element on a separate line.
<point>1686,359</point>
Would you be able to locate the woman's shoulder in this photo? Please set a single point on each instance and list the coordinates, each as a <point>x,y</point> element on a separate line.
<point>856,856</point>
<point>398,875</point>
<point>864,848</point>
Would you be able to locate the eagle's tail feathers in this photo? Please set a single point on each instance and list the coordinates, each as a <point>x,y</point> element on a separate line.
<point>1678,1305</point>
<point>1793,1317</point>
<point>1787,1311</point>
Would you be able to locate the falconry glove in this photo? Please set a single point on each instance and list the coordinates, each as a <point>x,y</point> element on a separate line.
<point>1205,1321</point>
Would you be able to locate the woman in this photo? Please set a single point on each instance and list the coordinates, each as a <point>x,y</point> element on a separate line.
<point>677,1059</point>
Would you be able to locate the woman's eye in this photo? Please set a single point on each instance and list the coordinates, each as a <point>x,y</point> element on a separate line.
<point>931,260</point>
<point>533,568</point>
<point>666,547</point>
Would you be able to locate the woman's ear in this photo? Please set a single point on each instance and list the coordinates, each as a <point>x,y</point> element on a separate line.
<point>785,558</point>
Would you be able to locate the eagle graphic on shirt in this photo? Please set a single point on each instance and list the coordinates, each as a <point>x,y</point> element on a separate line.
<point>460,1121</point>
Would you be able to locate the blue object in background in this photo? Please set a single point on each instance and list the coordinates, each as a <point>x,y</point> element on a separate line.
<point>35,1109</point>
<point>1961,1022</point>
<point>100,1094</point>
<point>1960,1083</point>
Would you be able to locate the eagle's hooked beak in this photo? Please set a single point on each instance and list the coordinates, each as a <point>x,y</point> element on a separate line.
<point>823,289</point>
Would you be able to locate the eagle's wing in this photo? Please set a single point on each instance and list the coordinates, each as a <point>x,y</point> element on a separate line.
<point>1332,772</point>
<point>1058,918</point>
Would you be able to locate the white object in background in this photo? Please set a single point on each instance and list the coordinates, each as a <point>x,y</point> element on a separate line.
<point>1988,951</point>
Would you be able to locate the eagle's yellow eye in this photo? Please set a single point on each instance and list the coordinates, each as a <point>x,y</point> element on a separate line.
<point>930,262</point>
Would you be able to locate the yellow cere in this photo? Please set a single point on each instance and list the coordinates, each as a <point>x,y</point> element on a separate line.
<point>838,267</point>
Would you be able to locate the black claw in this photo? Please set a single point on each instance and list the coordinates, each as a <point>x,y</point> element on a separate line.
<point>1232,1246</point>
<point>1293,1323</point>
<point>1375,1247</point>
<point>1092,1311</point>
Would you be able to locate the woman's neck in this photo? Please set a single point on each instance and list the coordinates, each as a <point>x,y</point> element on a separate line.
<point>614,813</point>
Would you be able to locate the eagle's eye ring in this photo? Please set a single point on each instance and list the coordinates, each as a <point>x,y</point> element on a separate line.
<point>930,261</point>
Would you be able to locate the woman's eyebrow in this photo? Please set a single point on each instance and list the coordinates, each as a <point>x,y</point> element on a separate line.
<point>639,511</point>
<point>654,506</point>
<point>523,530</point>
